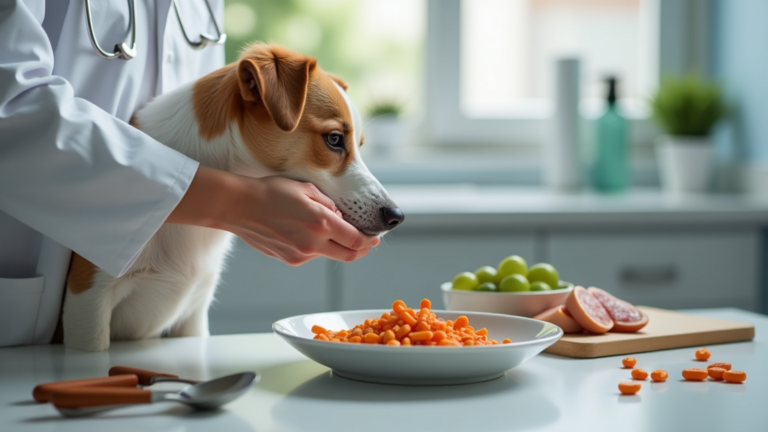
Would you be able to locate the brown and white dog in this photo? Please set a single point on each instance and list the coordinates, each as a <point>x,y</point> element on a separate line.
<point>274,112</point>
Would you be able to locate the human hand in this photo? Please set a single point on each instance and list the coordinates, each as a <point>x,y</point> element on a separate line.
<point>289,220</point>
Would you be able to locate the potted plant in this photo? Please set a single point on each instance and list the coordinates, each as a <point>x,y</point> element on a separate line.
<point>384,129</point>
<point>686,109</point>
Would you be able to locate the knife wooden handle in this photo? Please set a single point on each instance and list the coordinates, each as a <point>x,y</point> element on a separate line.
<point>145,376</point>
<point>42,392</point>
<point>78,397</point>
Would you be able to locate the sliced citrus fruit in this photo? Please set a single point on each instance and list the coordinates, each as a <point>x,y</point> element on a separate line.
<point>626,317</point>
<point>588,311</point>
<point>560,317</point>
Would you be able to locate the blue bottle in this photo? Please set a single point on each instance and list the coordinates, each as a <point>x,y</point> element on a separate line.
<point>611,166</point>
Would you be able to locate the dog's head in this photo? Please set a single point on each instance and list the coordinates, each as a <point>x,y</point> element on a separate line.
<point>295,120</point>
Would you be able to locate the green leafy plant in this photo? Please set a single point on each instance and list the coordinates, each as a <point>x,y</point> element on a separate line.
<point>688,106</point>
<point>384,109</point>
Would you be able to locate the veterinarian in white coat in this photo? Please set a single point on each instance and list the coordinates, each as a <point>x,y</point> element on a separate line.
<point>75,176</point>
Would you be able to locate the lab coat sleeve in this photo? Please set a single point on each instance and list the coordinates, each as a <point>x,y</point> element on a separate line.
<point>69,169</point>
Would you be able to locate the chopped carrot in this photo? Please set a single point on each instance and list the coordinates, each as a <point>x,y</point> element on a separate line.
<point>461,321</point>
<point>408,319</point>
<point>421,336</point>
<point>703,354</point>
<point>659,375</point>
<point>372,338</point>
<point>639,374</point>
<point>735,376</point>
<point>722,365</point>
<point>405,327</point>
<point>402,332</point>
<point>629,362</point>
<point>398,307</point>
<point>629,387</point>
<point>695,374</point>
<point>716,373</point>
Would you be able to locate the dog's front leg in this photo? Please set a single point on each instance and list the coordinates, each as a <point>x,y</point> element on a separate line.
<point>195,324</point>
<point>86,319</point>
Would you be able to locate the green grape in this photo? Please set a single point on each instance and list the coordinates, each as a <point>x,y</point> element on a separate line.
<point>486,274</point>
<point>465,281</point>
<point>510,265</point>
<point>540,286</point>
<point>544,272</point>
<point>514,283</point>
<point>486,286</point>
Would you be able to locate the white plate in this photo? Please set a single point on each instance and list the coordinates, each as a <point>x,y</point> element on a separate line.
<point>419,365</point>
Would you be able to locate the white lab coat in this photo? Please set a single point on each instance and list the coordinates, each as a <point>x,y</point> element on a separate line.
<point>73,174</point>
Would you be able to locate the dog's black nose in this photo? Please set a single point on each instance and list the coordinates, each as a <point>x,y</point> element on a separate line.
<point>392,216</point>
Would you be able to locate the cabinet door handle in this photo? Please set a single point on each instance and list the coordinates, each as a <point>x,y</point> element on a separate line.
<point>648,275</point>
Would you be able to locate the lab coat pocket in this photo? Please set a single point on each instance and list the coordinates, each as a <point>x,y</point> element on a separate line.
<point>19,304</point>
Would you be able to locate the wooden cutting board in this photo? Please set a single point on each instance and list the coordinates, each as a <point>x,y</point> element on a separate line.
<point>665,330</point>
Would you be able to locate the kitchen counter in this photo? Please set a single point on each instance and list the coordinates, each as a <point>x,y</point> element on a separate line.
<point>456,205</point>
<point>295,394</point>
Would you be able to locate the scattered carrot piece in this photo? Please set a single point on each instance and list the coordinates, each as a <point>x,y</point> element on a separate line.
<point>629,362</point>
<point>716,373</point>
<point>629,387</point>
<point>659,375</point>
<point>426,304</point>
<point>735,376</point>
<point>695,374</point>
<point>316,329</point>
<point>506,341</point>
<point>703,354</point>
<point>639,374</point>
<point>722,365</point>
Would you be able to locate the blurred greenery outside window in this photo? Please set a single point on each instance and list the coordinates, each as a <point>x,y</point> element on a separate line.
<point>376,46</point>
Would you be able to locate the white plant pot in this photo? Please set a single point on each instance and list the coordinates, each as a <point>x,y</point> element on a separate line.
<point>685,163</point>
<point>384,133</point>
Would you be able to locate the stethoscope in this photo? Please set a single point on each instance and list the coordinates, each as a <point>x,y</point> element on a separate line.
<point>126,52</point>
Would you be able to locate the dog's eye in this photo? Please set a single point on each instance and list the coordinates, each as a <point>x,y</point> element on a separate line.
<point>334,140</point>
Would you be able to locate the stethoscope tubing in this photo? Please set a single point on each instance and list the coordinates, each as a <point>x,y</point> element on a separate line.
<point>125,52</point>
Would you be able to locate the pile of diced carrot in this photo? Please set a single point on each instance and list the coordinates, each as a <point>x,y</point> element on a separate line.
<point>403,326</point>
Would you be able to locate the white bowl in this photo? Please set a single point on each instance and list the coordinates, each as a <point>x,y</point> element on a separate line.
<point>420,365</point>
<point>527,304</point>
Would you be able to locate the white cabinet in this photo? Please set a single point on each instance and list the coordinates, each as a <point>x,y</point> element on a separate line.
<point>411,266</point>
<point>256,290</point>
<point>670,269</point>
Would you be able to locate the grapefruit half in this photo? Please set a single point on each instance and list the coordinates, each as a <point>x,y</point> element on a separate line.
<point>626,317</point>
<point>588,311</point>
<point>560,317</point>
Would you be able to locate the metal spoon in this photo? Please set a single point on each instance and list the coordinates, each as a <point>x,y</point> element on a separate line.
<point>208,395</point>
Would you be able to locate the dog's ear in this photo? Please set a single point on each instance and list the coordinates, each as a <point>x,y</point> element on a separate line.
<point>278,78</point>
<point>343,84</point>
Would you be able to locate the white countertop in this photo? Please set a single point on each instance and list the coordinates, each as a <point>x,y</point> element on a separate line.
<point>546,393</point>
<point>438,206</point>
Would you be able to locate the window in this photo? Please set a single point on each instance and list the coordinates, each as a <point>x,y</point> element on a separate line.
<point>374,45</point>
<point>509,49</point>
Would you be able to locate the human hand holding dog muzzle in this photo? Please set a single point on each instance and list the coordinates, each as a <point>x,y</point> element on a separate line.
<point>285,219</point>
